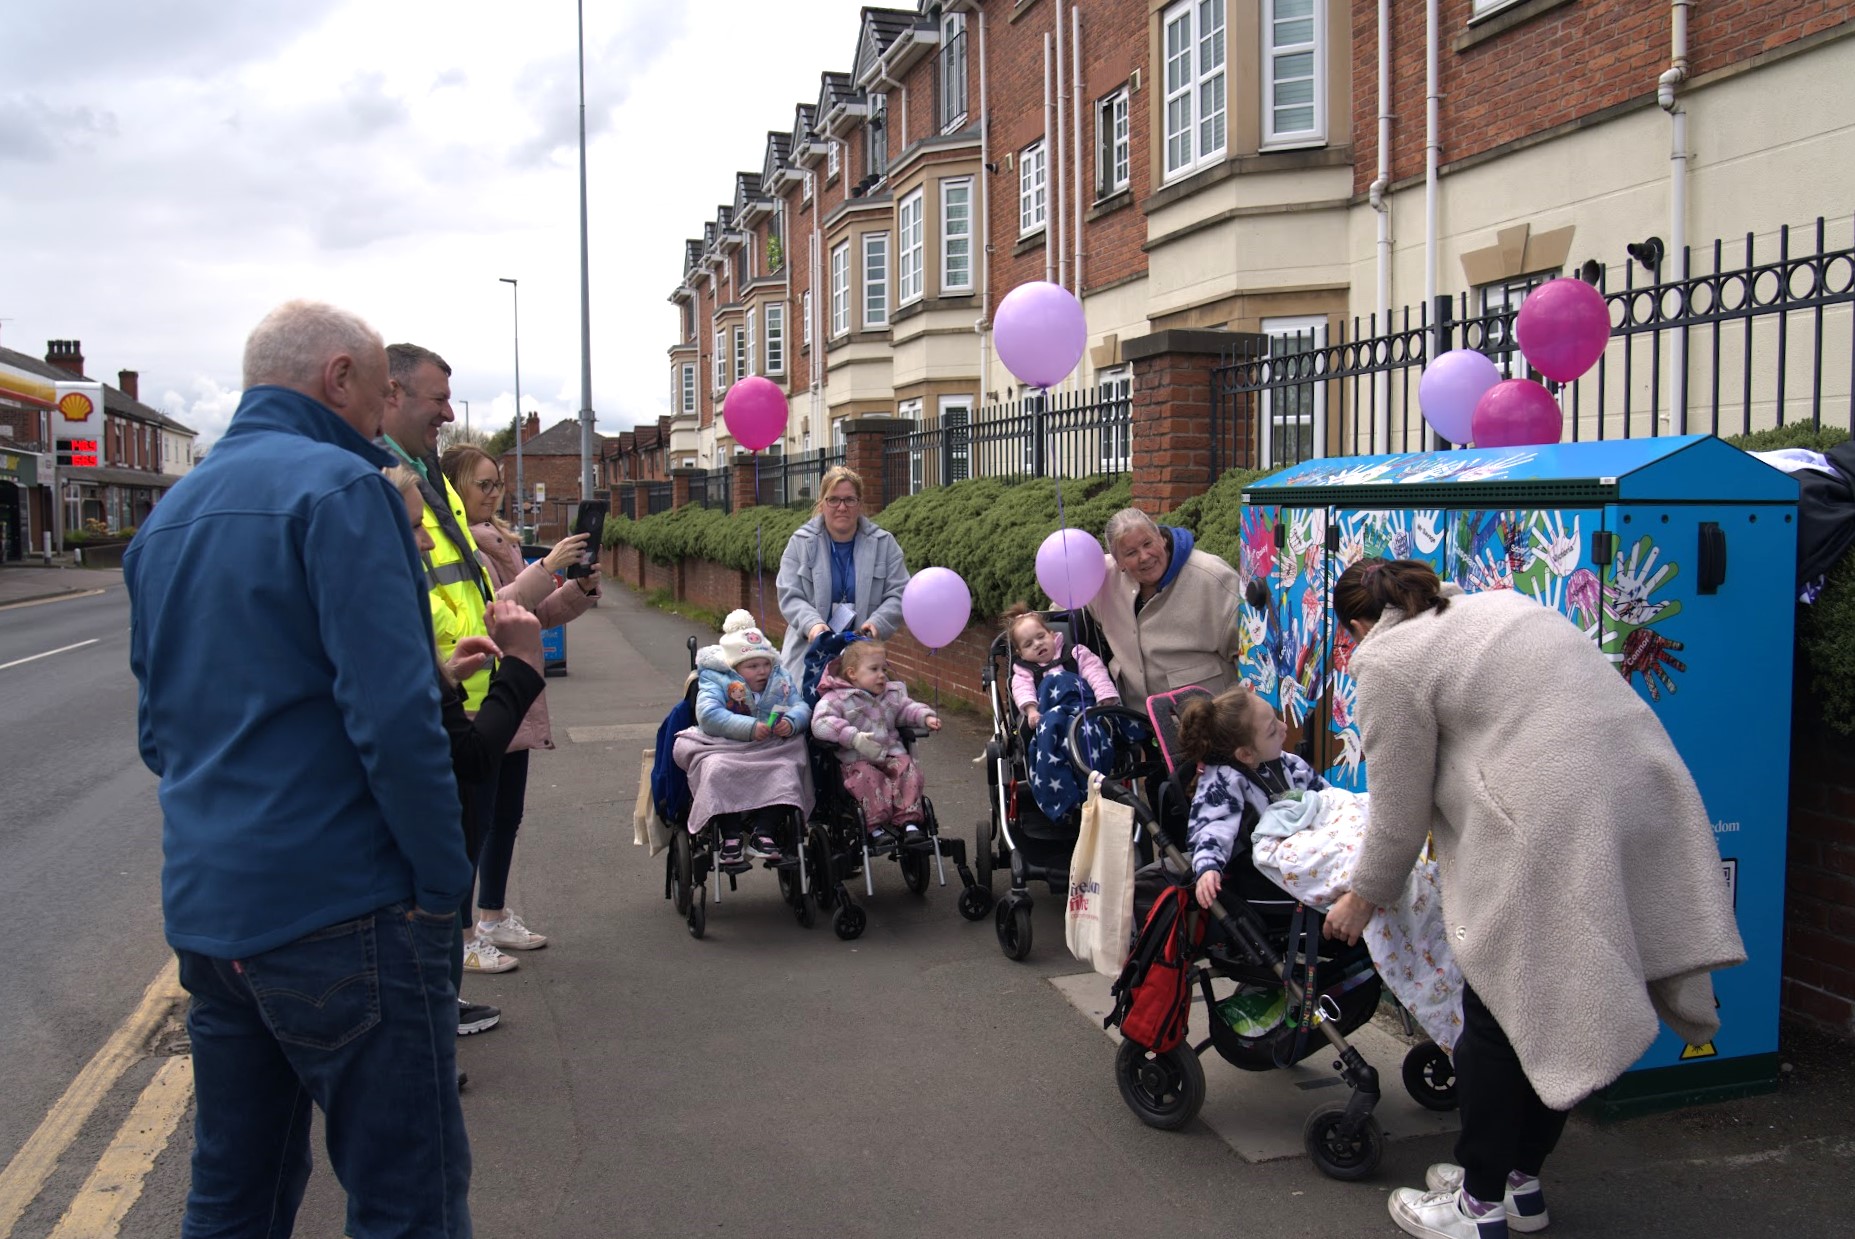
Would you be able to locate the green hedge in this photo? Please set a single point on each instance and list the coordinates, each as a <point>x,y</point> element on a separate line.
<point>1825,628</point>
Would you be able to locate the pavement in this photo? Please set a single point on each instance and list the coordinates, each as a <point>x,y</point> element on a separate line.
<point>29,582</point>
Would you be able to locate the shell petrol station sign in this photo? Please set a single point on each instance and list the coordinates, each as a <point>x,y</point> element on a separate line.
<point>77,424</point>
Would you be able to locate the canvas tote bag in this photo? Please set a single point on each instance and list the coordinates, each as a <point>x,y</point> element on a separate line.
<point>1098,921</point>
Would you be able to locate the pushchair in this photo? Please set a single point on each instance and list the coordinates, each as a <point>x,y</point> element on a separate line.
<point>692,857</point>
<point>1017,835</point>
<point>1256,941</point>
<point>838,837</point>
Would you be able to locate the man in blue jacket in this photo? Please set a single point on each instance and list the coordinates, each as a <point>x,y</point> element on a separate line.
<point>313,865</point>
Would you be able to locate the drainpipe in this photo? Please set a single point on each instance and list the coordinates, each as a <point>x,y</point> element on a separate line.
<point>983,271</point>
<point>1381,419</point>
<point>1049,124</point>
<point>1053,149</point>
<point>1678,158</point>
<point>1432,148</point>
<point>1075,138</point>
<point>816,325</point>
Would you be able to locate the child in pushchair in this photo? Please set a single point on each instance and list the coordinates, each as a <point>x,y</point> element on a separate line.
<point>1274,989</point>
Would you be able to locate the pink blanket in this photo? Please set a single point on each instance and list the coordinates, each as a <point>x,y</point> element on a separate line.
<point>734,776</point>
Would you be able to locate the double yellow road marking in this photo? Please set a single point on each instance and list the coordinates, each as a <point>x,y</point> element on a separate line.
<point>116,1182</point>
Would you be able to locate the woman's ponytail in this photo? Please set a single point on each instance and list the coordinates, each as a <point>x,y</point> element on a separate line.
<point>1369,586</point>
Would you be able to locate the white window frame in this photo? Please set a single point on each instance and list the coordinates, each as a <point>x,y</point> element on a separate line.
<point>1033,189</point>
<point>1286,329</point>
<point>1117,445</point>
<point>740,353</point>
<point>876,138</point>
<point>875,281</point>
<point>910,411</point>
<point>805,318</point>
<point>1196,96</point>
<point>840,289</point>
<point>1113,145</point>
<point>688,388</point>
<point>805,188</point>
<point>1482,8</point>
<point>952,26</point>
<point>1315,49</point>
<point>956,413</point>
<point>776,339</point>
<point>830,159</point>
<point>721,354</point>
<point>837,434</point>
<point>911,248</point>
<point>753,342</point>
<point>950,282</point>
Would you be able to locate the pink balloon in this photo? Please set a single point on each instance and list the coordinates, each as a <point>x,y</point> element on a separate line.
<point>1449,389</point>
<point>1071,568</point>
<point>1562,328</point>
<point>936,605</point>
<point>1517,413</point>
<point>755,412</point>
<point>1040,333</point>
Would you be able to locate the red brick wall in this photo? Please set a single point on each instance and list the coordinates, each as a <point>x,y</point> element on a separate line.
<point>1569,62</point>
<point>1114,44</point>
<point>718,589</point>
<point>1819,919</point>
<point>25,426</point>
<point>1014,81</point>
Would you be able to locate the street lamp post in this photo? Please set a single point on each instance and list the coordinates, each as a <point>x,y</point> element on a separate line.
<point>586,321</point>
<point>466,405</point>
<point>521,496</point>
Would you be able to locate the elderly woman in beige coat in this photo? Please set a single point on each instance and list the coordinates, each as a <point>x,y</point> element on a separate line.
<point>1171,613</point>
<point>1581,883</point>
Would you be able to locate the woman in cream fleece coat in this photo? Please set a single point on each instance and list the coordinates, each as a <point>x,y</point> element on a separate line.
<point>1581,883</point>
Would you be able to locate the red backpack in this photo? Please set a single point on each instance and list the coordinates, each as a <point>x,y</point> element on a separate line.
<point>1153,995</point>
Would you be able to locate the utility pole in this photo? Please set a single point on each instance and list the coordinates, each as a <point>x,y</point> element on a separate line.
<point>586,319</point>
<point>521,496</point>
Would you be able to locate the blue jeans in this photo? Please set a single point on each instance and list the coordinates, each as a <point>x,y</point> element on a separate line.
<point>359,1019</point>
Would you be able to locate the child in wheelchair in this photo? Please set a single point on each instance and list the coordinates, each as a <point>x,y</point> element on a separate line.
<point>863,712</point>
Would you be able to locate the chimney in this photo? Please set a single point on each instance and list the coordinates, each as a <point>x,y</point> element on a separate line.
<point>128,381</point>
<point>66,355</point>
<point>531,427</point>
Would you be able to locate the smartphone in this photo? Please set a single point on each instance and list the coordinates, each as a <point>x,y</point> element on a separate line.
<point>591,522</point>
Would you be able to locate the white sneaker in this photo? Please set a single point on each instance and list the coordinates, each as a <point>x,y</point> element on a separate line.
<point>1526,1204</point>
<point>481,955</point>
<point>510,934</point>
<point>1438,1215</point>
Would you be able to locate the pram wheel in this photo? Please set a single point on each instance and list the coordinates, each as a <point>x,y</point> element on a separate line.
<point>915,871</point>
<point>849,922</point>
<point>682,871</point>
<point>1430,1077</point>
<point>698,913</point>
<point>1165,1090</point>
<point>982,854</point>
<point>1014,928</point>
<point>975,902</point>
<point>1336,1156</point>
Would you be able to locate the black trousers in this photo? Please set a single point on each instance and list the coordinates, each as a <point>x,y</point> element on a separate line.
<point>1505,1126</point>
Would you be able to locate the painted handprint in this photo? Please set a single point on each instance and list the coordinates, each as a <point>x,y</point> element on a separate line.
<point>1353,545</point>
<point>1627,599</point>
<point>1427,531</point>
<point>1490,572</point>
<point>1512,533</point>
<point>1646,652</point>
<point>1352,752</point>
<point>1583,594</point>
<point>1552,544</point>
<point>1488,470</point>
<point>1258,545</point>
<point>1345,701</point>
<point>1545,589</point>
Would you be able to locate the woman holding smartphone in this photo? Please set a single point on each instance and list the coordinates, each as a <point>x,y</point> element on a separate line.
<point>478,481</point>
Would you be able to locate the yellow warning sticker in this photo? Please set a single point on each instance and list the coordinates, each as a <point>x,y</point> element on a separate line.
<point>1698,1051</point>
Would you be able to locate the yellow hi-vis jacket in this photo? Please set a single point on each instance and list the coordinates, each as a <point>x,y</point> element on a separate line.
<point>460,588</point>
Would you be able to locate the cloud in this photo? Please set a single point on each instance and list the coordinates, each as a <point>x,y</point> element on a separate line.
<point>31,131</point>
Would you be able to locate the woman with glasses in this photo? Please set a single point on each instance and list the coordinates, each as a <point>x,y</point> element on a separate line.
<point>478,481</point>
<point>839,572</point>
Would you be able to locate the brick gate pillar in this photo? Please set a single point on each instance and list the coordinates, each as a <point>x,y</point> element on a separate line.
<point>742,490</point>
<point>1172,413</point>
<point>679,486</point>
<point>864,455</point>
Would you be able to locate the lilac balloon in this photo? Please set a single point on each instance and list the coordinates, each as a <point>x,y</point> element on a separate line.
<point>936,605</point>
<point>1040,333</point>
<point>755,412</point>
<point>1071,568</point>
<point>1562,328</point>
<point>1449,389</point>
<point>1516,413</point>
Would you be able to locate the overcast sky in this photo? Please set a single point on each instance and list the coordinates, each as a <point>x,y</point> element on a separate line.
<point>172,171</point>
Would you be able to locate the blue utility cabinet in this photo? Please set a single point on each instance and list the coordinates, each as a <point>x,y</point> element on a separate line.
<point>553,640</point>
<point>1676,556</point>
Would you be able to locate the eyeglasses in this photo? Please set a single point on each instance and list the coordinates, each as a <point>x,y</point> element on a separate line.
<point>490,486</point>
<point>841,501</point>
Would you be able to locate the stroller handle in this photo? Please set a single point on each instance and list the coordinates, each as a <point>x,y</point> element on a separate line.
<point>1081,762</point>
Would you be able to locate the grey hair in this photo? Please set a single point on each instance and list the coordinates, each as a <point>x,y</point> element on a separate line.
<point>297,339</point>
<point>403,359</point>
<point>1124,522</point>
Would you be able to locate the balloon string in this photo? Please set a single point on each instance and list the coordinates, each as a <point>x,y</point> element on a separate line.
<point>759,556</point>
<point>1062,521</point>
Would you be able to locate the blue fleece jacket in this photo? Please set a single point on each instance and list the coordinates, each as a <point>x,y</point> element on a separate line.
<point>281,639</point>
<point>726,707</point>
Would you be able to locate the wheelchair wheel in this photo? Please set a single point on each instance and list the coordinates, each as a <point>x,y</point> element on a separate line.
<point>915,871</point>
<point>824,885</point>
<point>982,853</point>
<point>682,870</point>
<point>698,914</point>
<point>974,902</point>
<point>849,922</point>
<point>1430,1077</point>
<point>1014,928</point>
<point>1164,1090</point>
<point>1336,1156</point>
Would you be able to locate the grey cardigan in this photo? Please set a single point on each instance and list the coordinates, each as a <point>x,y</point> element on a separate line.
<point>805,585</point>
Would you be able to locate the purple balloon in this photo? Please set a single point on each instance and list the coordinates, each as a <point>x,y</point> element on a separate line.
<point>1562,328</point>
<point>1451,386</point>
<point>936,605</point>
<point>755,412</point>
<point>1517,413</point>
<point>1040,333</point>
<point>1071,568</point>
